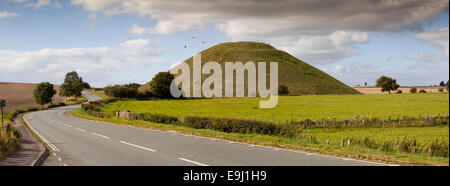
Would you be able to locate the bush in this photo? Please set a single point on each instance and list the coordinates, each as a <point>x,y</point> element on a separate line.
<point>399,91</point>
<point>60,104</point>
<point>422,91</point>
<point>121,91</point>
<point>156,118</point>
<point>240,126</point>
<point>283,90</point>
<point>441,90</point>
<point>413,90</point>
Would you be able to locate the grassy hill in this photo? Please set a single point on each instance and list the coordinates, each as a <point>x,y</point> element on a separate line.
<point>300,77</point>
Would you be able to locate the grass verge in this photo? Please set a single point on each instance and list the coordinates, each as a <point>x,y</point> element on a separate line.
<point>296,144</point>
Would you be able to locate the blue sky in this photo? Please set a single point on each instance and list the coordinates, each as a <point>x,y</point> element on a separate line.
<point>110,42</point>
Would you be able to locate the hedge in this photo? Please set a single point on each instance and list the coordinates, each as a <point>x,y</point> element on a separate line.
<point>242,126</point>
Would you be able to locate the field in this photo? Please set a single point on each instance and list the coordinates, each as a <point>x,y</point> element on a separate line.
<point>20,95</point>
<point>294,108</point>
<point>376,90</point>
<point>387,143</point>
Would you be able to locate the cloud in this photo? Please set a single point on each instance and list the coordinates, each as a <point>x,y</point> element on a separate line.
<point>439,38</point>
<point>290,24</point>
<point>100,65</point>
<point>19,1</point>
<point>42,3</point>
<point>4,14</point>
<point>323,48</point>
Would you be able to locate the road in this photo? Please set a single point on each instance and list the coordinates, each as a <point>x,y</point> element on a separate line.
<point>75,141</point>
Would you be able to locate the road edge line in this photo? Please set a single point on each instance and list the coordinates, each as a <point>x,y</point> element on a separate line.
<point>43,155</point>
<point>53,147</point>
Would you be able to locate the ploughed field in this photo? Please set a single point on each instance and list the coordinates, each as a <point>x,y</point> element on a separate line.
<point>296,108</point>
<point>20,95</point>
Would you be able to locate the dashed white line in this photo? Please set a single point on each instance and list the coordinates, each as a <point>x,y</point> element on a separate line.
<point>145,148</point>
<point>80,129</point>
<point>65,164</point>
<point>59,159</point>
<point>100,135</point>
<point>194,162</point>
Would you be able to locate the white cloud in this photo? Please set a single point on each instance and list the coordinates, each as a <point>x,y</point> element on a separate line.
<point>19,1</point>
<point>439,38</point>
<point>4,14</point>
<point>100,65</point>
<point>321,49</point>
<point>309,28</point>
<point>42,3</point>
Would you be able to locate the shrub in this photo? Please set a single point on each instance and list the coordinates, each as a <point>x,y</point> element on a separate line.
<point>422,91</point>
<point>121,91</point>
<point>399,91</point>
<point>283,90</point>
<point>441,90</point>
<point>157,118</point>
<point>56,105</point>
<point>413,90</point>
<point>240,126</point>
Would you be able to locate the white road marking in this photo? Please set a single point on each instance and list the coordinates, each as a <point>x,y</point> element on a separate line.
<point>53,147</point>
<point>194,162</point>
<point>100,135</point>
<point>145,148</point>
<point>65,164</point>
<point>54,154</point>
<point>80,129</point>
<point>59,159</point>
<point>68,125</point>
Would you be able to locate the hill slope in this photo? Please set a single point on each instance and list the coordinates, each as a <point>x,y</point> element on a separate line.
<point>300,77</point>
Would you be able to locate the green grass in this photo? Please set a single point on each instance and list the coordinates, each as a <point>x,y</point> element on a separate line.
<point>100,93</point>
<point>424,135</point>
<point>357,152</point>
<point>295,108</point>
<point>300,77</point>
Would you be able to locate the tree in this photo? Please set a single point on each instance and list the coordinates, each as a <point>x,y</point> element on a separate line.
<point>387,84</point>
<point>160,85</point>
<point>72,86</point>
<point>86,85</point>
<point>446,85</point>
<point>413,90</point>
<point>442,84</point>
<point>43,93</point>
<point>365,84</point>
<point>283,90</point>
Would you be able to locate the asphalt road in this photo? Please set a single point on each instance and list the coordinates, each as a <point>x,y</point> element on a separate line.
<point>75,141</point>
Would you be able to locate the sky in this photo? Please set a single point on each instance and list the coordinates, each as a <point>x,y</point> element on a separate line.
<point>115,42</point>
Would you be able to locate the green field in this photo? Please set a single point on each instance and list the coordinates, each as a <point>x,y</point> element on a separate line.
<point>424,135</point>
<point>296,108</point>
<point>315,107</point>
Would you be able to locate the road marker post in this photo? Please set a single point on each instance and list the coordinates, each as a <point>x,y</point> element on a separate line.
<point>2,104</point>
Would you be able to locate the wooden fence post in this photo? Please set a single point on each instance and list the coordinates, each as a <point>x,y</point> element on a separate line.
<point>348,142</point>
<point>328,141</point>
<point>343,142</point>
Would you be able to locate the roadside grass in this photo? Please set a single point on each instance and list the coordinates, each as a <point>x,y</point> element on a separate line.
<point>9,144</point>
<point>75,100</point>
<point>303,144</point>
<point>295,108</point>
<point>100,93</point>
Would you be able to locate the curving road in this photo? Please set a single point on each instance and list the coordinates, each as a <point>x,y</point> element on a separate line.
<point>75,141</point>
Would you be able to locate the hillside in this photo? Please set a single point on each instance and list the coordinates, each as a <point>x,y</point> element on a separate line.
<point>300,77</point>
